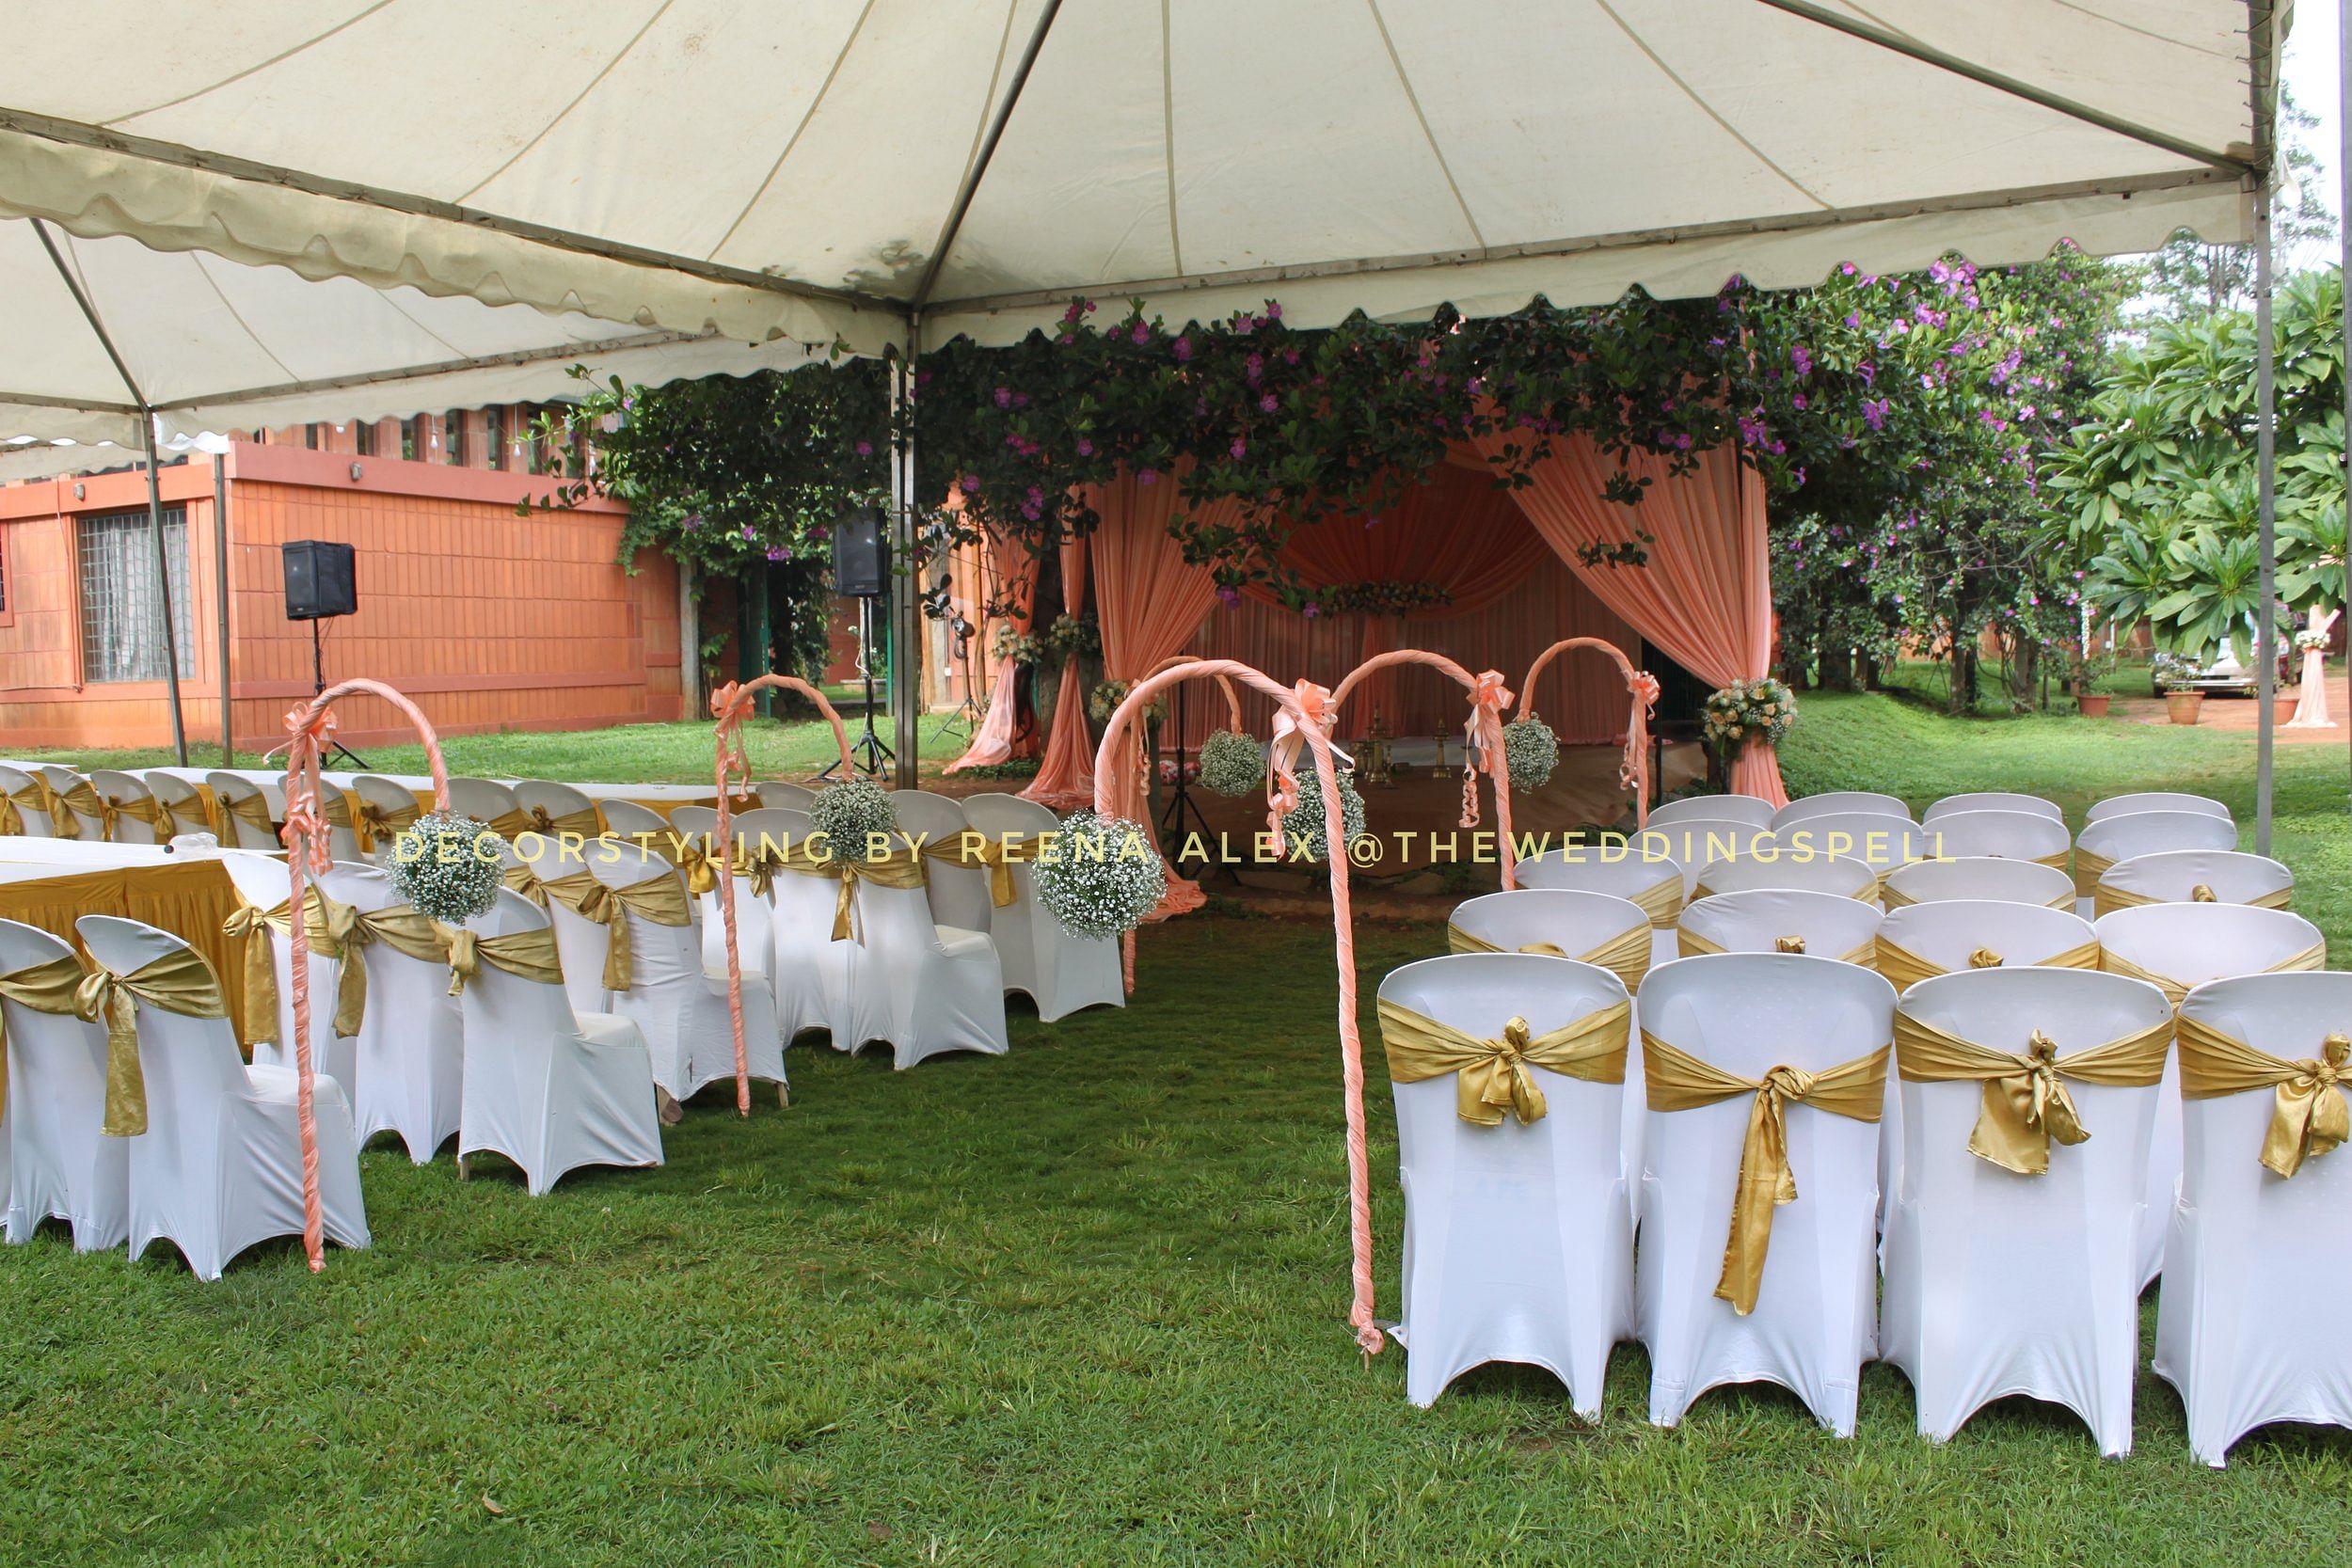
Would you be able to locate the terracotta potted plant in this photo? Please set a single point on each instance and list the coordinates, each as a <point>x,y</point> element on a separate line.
<point>2094,704</point>
<point>2183,705</point>
<point>2282,705</point>
<point>2087,671</point>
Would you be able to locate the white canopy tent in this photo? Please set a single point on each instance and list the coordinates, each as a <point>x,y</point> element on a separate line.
<point>757,177</point>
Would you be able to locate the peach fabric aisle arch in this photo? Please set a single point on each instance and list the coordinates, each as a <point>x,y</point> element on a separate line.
<point>310,729</point>
<point>1301,719</point>
<point>1016,567</point>
<point>1641,684</point>
<point>731,705</point>
<point>1484,730</point>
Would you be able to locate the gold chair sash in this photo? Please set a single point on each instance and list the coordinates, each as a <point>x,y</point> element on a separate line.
<point>2107,898</point>
<point>2309,1115</point>
<point>1692,945</point>
<point>1491,1077</point>
<point>1677,1080</point>
<point>375,825</point>
<point>1624,954</point>
<point>253,926</point>
<point>2089,868</point>
<point>1661,900</point>
<point>525,881</point>
<point>12,811</point>
<point>46,988</point>
<point>2026,1103</point>
<point>1868,893</point>
<point>341,931</point>
<point>526,954</point>
<point>253,811</point>
<point>997,854</point>
<point>902,868</point>
<point>83,800</point>
<point>147,808</point>
<point>588,822</point>
<point>659,898</point>
<point>689,855</point>
<point>1894,898</point>
<point>511,825</point>
<point>169,820</point>
<point>2313,956</point>
<point>179,982</point>
<point>1905,969</point>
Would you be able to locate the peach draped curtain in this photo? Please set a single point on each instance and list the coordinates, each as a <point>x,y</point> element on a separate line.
<point>1065,778</point>
<point>1705,597</point>
<point>1016,578</point>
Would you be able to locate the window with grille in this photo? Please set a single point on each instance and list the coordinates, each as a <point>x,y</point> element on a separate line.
<point>122,614</point>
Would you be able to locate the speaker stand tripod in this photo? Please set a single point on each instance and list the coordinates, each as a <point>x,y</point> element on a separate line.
<point>1180,806</point>
<point>318,685</point>
<point>868,752</point>
<point>968,713</point>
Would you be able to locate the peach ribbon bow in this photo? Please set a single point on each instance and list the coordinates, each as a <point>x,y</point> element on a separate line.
<point>1290,736</point>
<point>1483,732</point>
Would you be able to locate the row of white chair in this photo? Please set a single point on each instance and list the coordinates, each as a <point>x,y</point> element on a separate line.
<point>1752,812</point>
<point>1519,1236</point>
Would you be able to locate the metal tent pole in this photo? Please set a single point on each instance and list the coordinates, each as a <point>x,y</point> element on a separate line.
<point>2343,229</point>
<point>906,586</point>
<point>162,584</point>
<point>220,595</point>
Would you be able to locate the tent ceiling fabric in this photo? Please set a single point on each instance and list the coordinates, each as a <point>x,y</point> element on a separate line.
<point>759,175</point>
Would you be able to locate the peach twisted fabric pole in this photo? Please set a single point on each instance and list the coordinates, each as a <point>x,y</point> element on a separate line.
<point>1108,794</point>
<point>731,705</point>
<point>1483,731</point>
<point>1633,772</point>
<point>308,730</point>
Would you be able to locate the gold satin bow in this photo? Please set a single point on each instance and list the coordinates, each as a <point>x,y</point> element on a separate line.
<point>83,800</point>
<point>179,982</point>
<point>1788,944</point>
<point>2308,1115</point>
<point>1691,945</point>
<point>374,824</point>
<point>11,814</point>
<point>2111,897</point>
<point>660,899</point>
<point>1625,955</point>
<point>525,881</point>
<point>253,926</point>
<point>587,822</point>
<point>902,868</point>
<point>689,855</point>
<point>526,954</point>
<point>758,864</point>
<point>1677,1080</point>
<point>1492,1079</point>
<point>46,988</point>
<point>1905,969</point>
<point>2026,1103</point>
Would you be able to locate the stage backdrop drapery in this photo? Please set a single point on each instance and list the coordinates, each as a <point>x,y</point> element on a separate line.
<point>1016,577</point>
<point>1065,778</point>
<point>1149,601</point>
<point>1705,597</point>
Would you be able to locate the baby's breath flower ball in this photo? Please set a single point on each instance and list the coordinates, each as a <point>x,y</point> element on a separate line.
<point>848,811</point>
<point>1305,820</point>
<point>1530,751</point>
<point>1230,763</point>
<point>1100,875</point>
<point>447,866</point>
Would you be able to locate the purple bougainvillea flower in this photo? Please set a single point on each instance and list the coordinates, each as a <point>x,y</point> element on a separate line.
<point>866,448</point>
<point>1147,476</point>
<point>1267,403</point>
<point>1228,596</point>
<point>1086,447</point>
<point>1142,334</point>
<point>970,483</point>
<point>1182,347</point>
<point>1800,358</point>
<point>1874,412</point>
<point>779,553</point>
<point>1311,610</point>
<point>1004,396</point>
<point>1240,447</point>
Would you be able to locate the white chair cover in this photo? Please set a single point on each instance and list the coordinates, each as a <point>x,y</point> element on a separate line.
<point>15,781</point>
<point>1517,1238</point>
<point>1744,809</point>
<point>59,1166</point>
<point>2154,800</point>
<point>261,881</point>
<point>2257,1269</point>
<point>93,829</point>
<point>2173,877</point>
<point>1992,800</point>
<point>2002,880</point>
<point>791,797</point>
<point>483,799</point>
<point>181,794</point>
<point>549,1089</point>
<point>2009,835</point>
<point>2118,839</point>
<point>409,1057</point>
<point>1635,870</point>
<point>1061,973</point>
<point>1578,924</point>
<point>580,942</point>
<point>1814,1320</point>
<point>2001,1284</point>
<point>678,1003</point>
<point>387,795</point>
<point>1830,926</point>
<point>1840,874</point>
<point>959,894</point>
<point>754,914</point>
<point>219,1167</point>
<point>2188,944</point>
<point>627,821</point>
<point>921,987</point>
<point>228,788</point>
<point>1879,841</point>
<point>1839,802</point>
<point>1703,845</point>
<point>809,970</point>
<point>124,789</point>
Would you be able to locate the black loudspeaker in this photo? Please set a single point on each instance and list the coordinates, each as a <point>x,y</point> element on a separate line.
<point>861,555</point>
<point>319,580</point>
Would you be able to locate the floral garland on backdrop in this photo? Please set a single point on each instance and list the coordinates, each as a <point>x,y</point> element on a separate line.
<point>1381,598</point>
<point>1762,709</point>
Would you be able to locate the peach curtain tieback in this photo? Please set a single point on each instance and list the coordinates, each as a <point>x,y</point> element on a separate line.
<point>2310,1116</point>
<point>660,899</point>
<point>1677,1080</point>
<point>526,954</point>
<point>2026,1103</point>
<point>902,868</point>
<point>46,988</point>
<point>2313,956</point>
<point>997,854</point>
<point>1905,969</point>
<point>2109,898</point>
<point>1624,954</point>
<point>1492,1080</point>
<point>179,982</point>
<point>1689,945</point>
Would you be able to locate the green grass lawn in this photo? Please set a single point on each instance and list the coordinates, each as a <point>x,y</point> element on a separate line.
<point>1083,1304</point>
